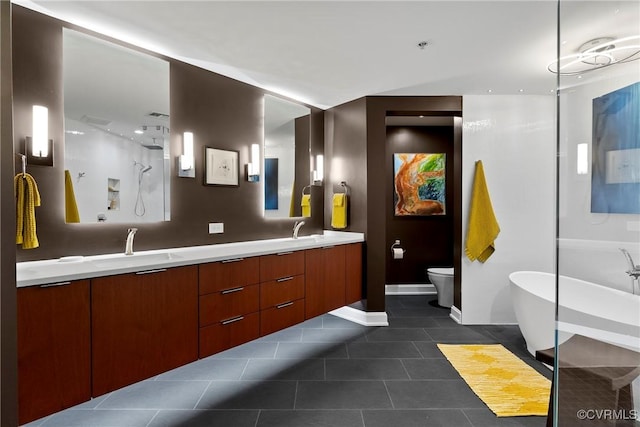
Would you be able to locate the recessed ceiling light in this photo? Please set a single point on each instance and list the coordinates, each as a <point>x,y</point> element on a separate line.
<point>489,90</point>
<point>138,131</point>
<point>521,90</point>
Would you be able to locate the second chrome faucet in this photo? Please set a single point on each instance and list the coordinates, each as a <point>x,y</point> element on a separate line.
<point>296,228</point>
<point>128,249</point>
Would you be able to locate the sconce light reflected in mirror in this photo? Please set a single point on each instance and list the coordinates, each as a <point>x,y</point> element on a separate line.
<point>39,148</point>
<point>253,168</point>
<point>186,161</point>
<point>318,171</point>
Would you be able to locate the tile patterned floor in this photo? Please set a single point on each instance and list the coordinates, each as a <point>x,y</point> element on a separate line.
<point>323,372</point>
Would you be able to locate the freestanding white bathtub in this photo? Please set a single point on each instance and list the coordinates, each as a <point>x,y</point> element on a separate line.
<point>585,308</point>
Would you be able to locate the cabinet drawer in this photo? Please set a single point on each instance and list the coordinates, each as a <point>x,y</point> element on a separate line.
<point>228,303</point>
<point>233,273</point>
<point>281,290</point>
<point>281,265</point>
<point>281,316</point>
<point>230,333</point>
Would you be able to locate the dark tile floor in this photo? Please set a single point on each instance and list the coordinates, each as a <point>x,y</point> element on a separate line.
<point>324,372</point>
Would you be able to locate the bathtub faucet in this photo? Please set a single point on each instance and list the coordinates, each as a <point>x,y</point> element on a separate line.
<point>634,270</point>
<point>128,250</point>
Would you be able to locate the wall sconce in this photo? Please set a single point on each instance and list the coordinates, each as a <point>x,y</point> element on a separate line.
<point>39,148</point>
<point>186,166</point>
<point>253,168</point>
<point>318,172</point>
<point>582,159</point>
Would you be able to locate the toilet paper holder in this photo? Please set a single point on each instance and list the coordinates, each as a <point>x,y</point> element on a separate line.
<point>396,245</point>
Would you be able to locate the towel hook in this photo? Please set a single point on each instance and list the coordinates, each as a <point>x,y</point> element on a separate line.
<point>23,158</point>
<point>306,187</point>
<point>344,185</point>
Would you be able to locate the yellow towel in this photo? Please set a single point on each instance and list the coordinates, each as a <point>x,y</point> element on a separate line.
<point>71,213</point>
<point>339,213</point>
<point>27,198</point>
<point>483,226</point>
<point>306,205</point>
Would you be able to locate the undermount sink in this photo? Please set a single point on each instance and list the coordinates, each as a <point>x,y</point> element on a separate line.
<point>135,260</point>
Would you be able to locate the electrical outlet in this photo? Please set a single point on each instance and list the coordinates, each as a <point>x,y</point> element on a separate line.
<point>216,227</point>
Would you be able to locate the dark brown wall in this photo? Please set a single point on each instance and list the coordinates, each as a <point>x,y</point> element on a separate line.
<point>427,240</point>
<point>221,112</point>
<point>380,186</point>
<point>346,160</point>
<point>8,317</point>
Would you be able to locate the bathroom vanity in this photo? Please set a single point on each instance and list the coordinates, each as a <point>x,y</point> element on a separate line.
<point>87,326</point>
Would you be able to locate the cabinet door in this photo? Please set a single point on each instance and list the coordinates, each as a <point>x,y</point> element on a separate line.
<point>54,359</point>
<point>353,261</point>
<point>325,280</point>
<point>143,324</point>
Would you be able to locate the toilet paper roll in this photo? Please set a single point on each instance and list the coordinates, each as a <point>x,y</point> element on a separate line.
<point>398,253</point>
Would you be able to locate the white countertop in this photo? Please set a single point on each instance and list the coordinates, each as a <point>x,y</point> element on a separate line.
<point>75,268</point>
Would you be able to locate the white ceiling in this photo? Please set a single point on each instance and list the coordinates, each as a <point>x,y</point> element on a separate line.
<point>326,53</point>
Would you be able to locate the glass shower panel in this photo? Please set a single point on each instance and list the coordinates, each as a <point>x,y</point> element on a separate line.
<point>597,352</point>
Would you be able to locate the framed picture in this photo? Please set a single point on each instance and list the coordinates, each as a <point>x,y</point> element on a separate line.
<point>221,167</point>
<point>615,174</point>
<point>419,184</point>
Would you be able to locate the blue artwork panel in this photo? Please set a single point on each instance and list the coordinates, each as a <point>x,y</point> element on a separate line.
<point>615,177</point>
<point>271,184</point>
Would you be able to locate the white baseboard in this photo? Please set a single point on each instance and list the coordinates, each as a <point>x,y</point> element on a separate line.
<point>366,318</point>
<point>410,289</point>
<point>456,314</point>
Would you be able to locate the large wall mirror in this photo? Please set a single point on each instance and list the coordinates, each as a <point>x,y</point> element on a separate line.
<point>286,157</point>
<point>116,109</point>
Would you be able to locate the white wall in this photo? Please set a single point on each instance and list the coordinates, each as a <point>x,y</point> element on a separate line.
<point>589,242</point>
<point>100,156</point>
<point>514,136</point>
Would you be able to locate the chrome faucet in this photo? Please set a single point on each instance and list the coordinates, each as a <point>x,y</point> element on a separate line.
<point>296,228</point>
<point>634,270</point>
<point>128,249</point>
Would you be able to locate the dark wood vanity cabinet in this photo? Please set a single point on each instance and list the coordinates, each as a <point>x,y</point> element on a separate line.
<point>229,304</point>
<point>282,291</point>
<point>326,280</point>
<point>142,324</point>
<point>353,266</point>
<point>333,278</point>
<point>54,348</point>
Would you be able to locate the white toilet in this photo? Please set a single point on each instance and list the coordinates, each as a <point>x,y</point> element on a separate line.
<point>442,279</point>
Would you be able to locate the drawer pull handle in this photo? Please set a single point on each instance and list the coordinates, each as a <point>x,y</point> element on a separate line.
<point>230,291</point>
<point>51,285</point>
<point>157,270</point>
<point>284,253</point>
<point>226,261</point>
<point>286,304</point>
<point>235,319</point>
<point>328,247</point>
<point>284,279</point>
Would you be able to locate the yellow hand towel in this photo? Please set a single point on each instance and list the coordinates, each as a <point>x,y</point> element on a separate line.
<point>306,205</point>
<point>483,226</point>
<point>71,213</point>
<point>339,212</point>
<point>27,198</point>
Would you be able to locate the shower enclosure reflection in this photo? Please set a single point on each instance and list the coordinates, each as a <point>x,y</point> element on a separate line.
<point>116,105</point>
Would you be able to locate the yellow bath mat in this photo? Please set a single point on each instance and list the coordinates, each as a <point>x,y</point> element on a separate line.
<point>506,384</point>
